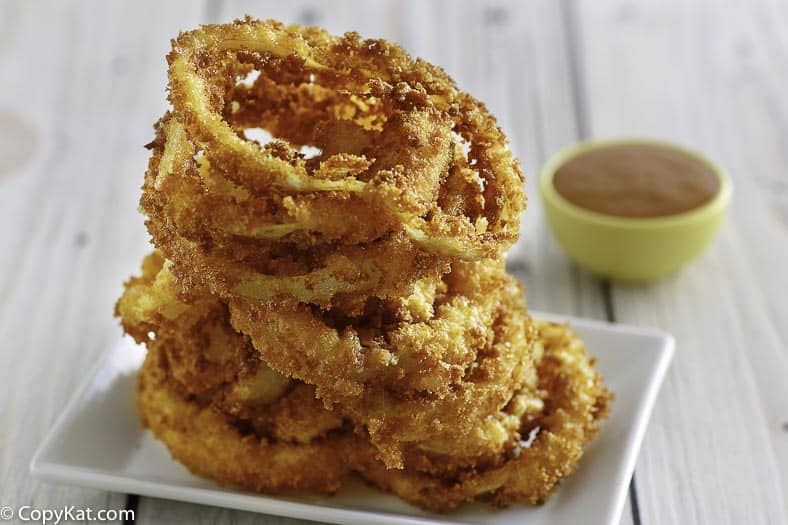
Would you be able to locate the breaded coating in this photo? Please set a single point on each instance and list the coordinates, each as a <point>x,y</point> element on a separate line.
<point>335,299</point>
<point>575,401</point>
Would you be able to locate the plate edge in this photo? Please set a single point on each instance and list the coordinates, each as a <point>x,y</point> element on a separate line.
<point>46,471</point>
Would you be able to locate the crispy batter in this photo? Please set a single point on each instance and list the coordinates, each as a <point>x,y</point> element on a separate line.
<point>452,360</point>
<point>438,385</point>
<point>391,197</point>
<point>296,443</point>
<point>335,299</point>
<point>217,445</point>
<point>575,402</point>
<point>211,361</point>
<point>221,411</point>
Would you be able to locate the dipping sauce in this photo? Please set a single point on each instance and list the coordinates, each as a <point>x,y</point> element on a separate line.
<point>636,180</point>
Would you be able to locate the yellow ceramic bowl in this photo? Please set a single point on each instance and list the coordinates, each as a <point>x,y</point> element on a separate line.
<point>624,248</point>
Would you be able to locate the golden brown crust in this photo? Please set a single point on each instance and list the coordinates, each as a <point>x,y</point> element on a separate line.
<point>219,409</point>
<point>391,198</point>
<point>575,402</point>
<point>207,395</point>
<point>348,309</point>
<point>385,346</point>
<point>449,359</point>
<point>212,444</point>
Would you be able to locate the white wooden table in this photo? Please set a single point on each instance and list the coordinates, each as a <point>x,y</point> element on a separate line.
<point>82,83</point>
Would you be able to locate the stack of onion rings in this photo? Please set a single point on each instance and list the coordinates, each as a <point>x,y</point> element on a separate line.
<point>277,435</point>
<point>435,385</point>
<point>220,410</point>
<point>352,300</point>
<point>575,402</point>
<point>391,198</point>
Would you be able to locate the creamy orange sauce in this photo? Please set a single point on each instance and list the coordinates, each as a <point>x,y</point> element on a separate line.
<point>636,181</point>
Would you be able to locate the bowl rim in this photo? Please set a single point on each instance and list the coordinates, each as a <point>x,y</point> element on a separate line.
<point>717,204</point>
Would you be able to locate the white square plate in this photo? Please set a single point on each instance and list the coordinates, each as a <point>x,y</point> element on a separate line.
<point>98,442</point>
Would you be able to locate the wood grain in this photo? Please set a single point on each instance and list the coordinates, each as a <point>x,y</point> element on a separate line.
<point>712,78</point>
<point>84,81</point>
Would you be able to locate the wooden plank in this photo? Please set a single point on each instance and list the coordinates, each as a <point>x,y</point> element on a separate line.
<point>71,191</point>
<point>78,99</point>
<point>711,77</point>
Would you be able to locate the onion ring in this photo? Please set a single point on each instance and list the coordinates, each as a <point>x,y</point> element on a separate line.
<point>213,363</point>
<point>450,367</point>
<point>390,130</point>
<point>335,298</point>
<point>420,384</point>
<point>216,445</point>
<point>182,404</point>
<point>217,407</point>
<point>576,401</point>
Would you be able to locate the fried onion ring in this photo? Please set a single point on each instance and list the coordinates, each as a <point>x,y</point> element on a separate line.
<point>334,299</point>
<point>185,387</point>
<point>391,132</point>
<point>217,445</point>
<point>221,412</point>
<point>445,368</point>
<point>212,362</point>
<point>413,383</point>
<point>575,402</point>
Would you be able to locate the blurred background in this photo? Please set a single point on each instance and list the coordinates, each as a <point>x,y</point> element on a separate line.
<point>83,82</point>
